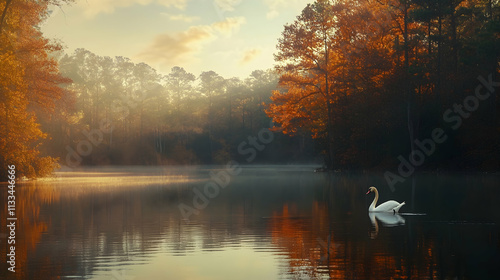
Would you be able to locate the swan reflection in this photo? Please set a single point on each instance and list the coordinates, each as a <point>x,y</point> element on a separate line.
<point>386,218</point>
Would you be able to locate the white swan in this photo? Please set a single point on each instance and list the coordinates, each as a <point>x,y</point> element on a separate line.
<point>388,206</point>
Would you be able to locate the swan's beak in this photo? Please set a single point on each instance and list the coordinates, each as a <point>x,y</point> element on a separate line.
<point>368,192</point>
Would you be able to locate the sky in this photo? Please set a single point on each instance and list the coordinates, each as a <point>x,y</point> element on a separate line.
<point>230,37</point>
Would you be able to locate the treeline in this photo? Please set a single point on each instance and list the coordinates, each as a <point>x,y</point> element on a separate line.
<point>412,83</point>
<point>375,82</point>
<point>128,113</point>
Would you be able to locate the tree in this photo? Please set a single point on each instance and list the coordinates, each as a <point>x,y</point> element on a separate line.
<point>29,85</point>
<point>352,71</point>
<point>328,54</point>
<point>211,86</point>
<point>179,83</point>
<point>306,61</point>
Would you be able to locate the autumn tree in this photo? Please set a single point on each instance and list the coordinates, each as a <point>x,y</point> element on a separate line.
<point>328,54</point>
<point>367,76</point>
<point>306,61</point>
<point>29,86</point>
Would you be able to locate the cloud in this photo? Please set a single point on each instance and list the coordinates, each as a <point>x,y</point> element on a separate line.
<point>250,55</point>
<point>94,7</point>
<point>177,48</point>
<point>226,5</point>
<point>182,47</point>
<point>181,17</point>
<point>272,14</point>
<point>179,4</point>
<point>227,25</point>
<point>275,6</point>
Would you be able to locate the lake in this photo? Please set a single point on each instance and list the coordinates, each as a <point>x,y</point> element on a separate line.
<point>252,222</point>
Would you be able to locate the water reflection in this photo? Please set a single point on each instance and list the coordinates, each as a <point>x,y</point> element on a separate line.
<point>386,219</point>
<point>280,223</point>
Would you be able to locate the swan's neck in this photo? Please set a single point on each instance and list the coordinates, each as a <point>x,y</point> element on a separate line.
<point>374,202</point>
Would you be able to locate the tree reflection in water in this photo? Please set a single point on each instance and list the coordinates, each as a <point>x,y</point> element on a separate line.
<point>292,222</point>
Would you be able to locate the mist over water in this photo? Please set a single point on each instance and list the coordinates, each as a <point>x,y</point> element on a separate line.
<point>269,222</point>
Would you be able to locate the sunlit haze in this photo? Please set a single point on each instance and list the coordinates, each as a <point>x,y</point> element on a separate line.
<point>230,37</point>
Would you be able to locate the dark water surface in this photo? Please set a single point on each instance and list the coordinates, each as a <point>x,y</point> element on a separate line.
<point>269,222</point>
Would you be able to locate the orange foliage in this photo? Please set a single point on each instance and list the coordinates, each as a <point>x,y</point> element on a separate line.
<point>333,59</point>
<point>29,84</point>
<point>334,49</point>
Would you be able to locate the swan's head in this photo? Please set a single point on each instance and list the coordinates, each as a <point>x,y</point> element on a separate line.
<point>371,189</point>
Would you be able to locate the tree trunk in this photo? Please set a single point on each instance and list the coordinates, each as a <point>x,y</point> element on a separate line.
<point>490,9</point>
<point>329,138</point>
<point>454,42</point>
<point>408,90</point>
<point>4,13</point>
<point>439,87</point>
<point>329,134</point>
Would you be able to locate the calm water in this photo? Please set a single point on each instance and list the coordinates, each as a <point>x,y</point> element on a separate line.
<point>283,222</point>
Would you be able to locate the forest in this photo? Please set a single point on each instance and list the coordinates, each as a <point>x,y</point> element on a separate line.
<point>127,113</point>
<point>357,85</point>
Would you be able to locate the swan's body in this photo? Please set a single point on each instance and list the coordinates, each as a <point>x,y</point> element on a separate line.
<point>388,206</point>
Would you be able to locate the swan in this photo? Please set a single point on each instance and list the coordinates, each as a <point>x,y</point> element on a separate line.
<point>388,206</point>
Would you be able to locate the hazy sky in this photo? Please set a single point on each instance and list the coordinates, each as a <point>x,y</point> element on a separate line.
<point>231,37</point>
